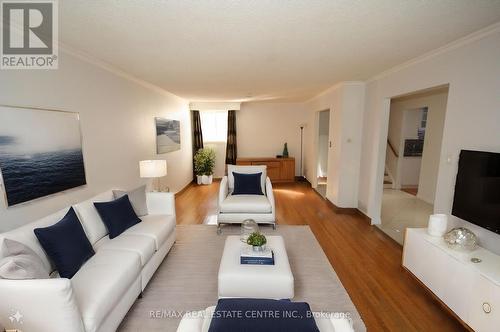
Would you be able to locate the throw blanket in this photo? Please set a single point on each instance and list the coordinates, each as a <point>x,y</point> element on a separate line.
<point>262,315</point>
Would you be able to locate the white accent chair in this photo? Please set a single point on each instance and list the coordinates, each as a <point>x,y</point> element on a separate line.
<point>234,209</point>
<point>99,295</point>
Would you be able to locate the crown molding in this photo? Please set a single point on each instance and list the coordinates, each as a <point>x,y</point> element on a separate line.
<point>475,36</point>
<point>335,87</point>
<point>214,105</point>
<point>79,54</point>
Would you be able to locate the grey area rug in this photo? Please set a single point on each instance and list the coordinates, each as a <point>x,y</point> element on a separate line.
<point>187,278</point>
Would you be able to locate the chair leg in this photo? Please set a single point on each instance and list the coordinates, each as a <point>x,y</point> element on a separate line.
<point>219,229</point>
<point>274,226</point>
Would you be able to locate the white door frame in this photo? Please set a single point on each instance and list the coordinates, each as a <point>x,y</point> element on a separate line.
<point>314,180</point>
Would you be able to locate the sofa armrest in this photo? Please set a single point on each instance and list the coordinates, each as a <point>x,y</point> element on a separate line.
<point>39,305</point>
<point>161,203</point>
<point>223,190</point>
<point>270,194</point>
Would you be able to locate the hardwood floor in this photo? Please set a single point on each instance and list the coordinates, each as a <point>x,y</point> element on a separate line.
<point>367,261</point>
<point>411,191</point>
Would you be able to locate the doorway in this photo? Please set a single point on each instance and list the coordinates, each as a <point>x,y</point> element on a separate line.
<point>413,153</point>
<point>322,155</point>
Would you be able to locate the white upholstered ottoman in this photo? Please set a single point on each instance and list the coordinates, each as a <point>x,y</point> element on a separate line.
<point>255,281</point>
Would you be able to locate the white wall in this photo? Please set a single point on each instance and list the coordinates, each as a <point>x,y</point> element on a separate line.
<point>263,128</point>
<point>117,124</point>
<point>323,141</point>
<point>472,69</point>
<point>346,104</point>
<point>410,166</point>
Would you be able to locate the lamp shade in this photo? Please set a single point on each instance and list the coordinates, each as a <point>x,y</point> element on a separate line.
<point>152,168</point>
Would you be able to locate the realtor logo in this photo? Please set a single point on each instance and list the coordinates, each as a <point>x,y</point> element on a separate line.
<point>29,34</point>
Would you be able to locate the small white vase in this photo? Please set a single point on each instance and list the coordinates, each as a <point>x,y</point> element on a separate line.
<point>199,179</point>
<point>438,224</point>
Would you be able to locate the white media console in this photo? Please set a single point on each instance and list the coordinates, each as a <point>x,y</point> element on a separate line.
<point>470,290</point>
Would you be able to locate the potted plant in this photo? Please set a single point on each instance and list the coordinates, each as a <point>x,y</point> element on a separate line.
<point>257,241</point>
<point>204,164</point>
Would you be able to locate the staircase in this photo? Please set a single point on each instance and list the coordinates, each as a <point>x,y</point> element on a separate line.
<point>388,181</point>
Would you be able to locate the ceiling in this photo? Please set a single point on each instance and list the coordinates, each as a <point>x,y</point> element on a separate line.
<point>263,49</point>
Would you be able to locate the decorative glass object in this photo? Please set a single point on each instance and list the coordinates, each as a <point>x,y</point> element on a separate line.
<point>285,150</point>
<point>248,226</point>
<point>461,238</point>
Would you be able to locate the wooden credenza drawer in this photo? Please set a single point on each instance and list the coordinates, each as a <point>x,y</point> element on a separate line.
<point>278,169</point>
<point>269,164</point>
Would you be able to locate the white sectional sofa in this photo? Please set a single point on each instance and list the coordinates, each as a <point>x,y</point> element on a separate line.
<point>103,290</point>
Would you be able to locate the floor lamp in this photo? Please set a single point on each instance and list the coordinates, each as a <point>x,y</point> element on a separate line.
<point>302,126</point>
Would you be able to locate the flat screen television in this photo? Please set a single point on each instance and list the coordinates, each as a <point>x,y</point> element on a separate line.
<point>477,189</point>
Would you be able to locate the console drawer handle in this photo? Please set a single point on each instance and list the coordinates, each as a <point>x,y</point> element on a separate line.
<point>486,307</point>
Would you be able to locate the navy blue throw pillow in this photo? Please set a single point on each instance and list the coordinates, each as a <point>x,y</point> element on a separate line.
<point>117,215</point>
<point>262,315</point>
<point>247,184</point>
<point>66,244</point>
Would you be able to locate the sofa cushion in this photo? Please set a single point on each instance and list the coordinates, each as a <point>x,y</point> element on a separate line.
<point>247,184</point>
<point>25,235</point>
<point>144,246</point>
<point>90,219</point>
<point>137,199</point>
<point>157,226</point>
<point>101,282</point>
<point>117,215</point>
<point>246,204</point>
<point>21,262</point>
<point>246,170</point>
<point>66,244</point>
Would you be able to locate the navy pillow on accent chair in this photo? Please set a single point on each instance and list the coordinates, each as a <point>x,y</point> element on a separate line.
<point>247,184</point>
<point>66,244</point>
<point>117,215</point>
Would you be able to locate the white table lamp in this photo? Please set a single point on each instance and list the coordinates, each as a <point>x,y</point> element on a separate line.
<point>153,169</point>
<point>437,224</point>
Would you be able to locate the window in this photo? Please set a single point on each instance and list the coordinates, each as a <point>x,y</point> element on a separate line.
<point>423,124</point>
<point>214,126</point>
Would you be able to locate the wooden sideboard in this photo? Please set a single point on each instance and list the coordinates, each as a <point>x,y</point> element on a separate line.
<point>278,169</point>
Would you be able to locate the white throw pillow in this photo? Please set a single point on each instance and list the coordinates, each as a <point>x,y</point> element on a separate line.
<point>137,198</point>
<point>20,262</point>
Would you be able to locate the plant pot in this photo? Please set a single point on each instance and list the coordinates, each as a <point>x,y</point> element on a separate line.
<point>259,248</point>
<point>206,179</point>
<point>199,179</point>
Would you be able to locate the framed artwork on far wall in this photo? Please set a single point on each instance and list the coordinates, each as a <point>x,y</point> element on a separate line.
<point>40,153</point>
<point>168,135</point>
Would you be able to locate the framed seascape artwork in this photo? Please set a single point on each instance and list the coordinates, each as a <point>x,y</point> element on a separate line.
<point>40,153</point>
<point>168,135</point>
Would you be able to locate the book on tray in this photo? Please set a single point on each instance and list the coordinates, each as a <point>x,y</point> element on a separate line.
<point>249,256</point>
